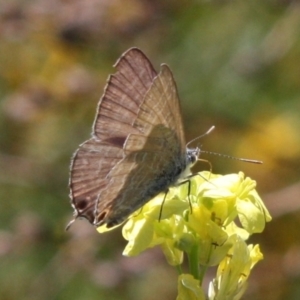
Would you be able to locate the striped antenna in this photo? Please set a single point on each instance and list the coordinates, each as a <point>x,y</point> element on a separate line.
<point>253,161</point>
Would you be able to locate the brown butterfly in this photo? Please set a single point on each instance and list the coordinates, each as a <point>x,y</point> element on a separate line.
<point>137,149</point>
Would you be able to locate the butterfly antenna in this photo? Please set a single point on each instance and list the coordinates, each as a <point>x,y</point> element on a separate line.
<point>253,161</point>
<point>201,136</point>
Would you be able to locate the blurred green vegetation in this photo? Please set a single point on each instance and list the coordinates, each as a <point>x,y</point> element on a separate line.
<point>236,64</point>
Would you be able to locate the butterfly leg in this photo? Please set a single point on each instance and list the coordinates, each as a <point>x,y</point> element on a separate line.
<point>187,180</point>
<point>162,204</point>
<point>206,161</point>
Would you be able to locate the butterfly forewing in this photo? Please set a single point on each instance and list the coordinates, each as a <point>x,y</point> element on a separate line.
<point>154,157</point>
<point>123,95</point>
<point>138,146</point>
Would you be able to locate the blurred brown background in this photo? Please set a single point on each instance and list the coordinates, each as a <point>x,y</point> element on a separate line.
<point>236,64</point>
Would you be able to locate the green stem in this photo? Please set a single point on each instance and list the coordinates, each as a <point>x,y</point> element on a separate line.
<point>202,271</point>
<point>203,268</point>
<point>193,257</point>
<point>179,270</point>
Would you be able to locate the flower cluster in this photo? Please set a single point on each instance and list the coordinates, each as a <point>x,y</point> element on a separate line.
<point>208,218</point>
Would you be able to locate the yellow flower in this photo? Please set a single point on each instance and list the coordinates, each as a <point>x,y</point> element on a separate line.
<point>241,199</point>
<point>197,218</point>
<point>154,225</point>
<point>233,271</point>
<point>189,288</point>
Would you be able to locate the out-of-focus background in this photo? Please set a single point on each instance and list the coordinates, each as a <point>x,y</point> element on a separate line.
<point>237,66</point>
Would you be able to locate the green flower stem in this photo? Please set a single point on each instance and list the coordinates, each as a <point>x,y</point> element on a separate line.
<point>202,271</point>
<point>193,257</point>
<point>203,268</point>
<point>179,269</point>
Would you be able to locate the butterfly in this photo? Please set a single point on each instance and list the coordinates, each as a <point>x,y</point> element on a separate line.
<point>137,149</point>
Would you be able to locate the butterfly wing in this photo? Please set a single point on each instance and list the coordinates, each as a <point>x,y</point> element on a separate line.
<point>118,107</point>
<point>154,157</point>
<point>123,95</point>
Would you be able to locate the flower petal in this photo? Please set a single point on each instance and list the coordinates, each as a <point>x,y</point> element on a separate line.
<point>189,288</point>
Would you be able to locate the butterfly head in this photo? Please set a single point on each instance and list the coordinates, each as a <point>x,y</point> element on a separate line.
<point>192,155</point>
